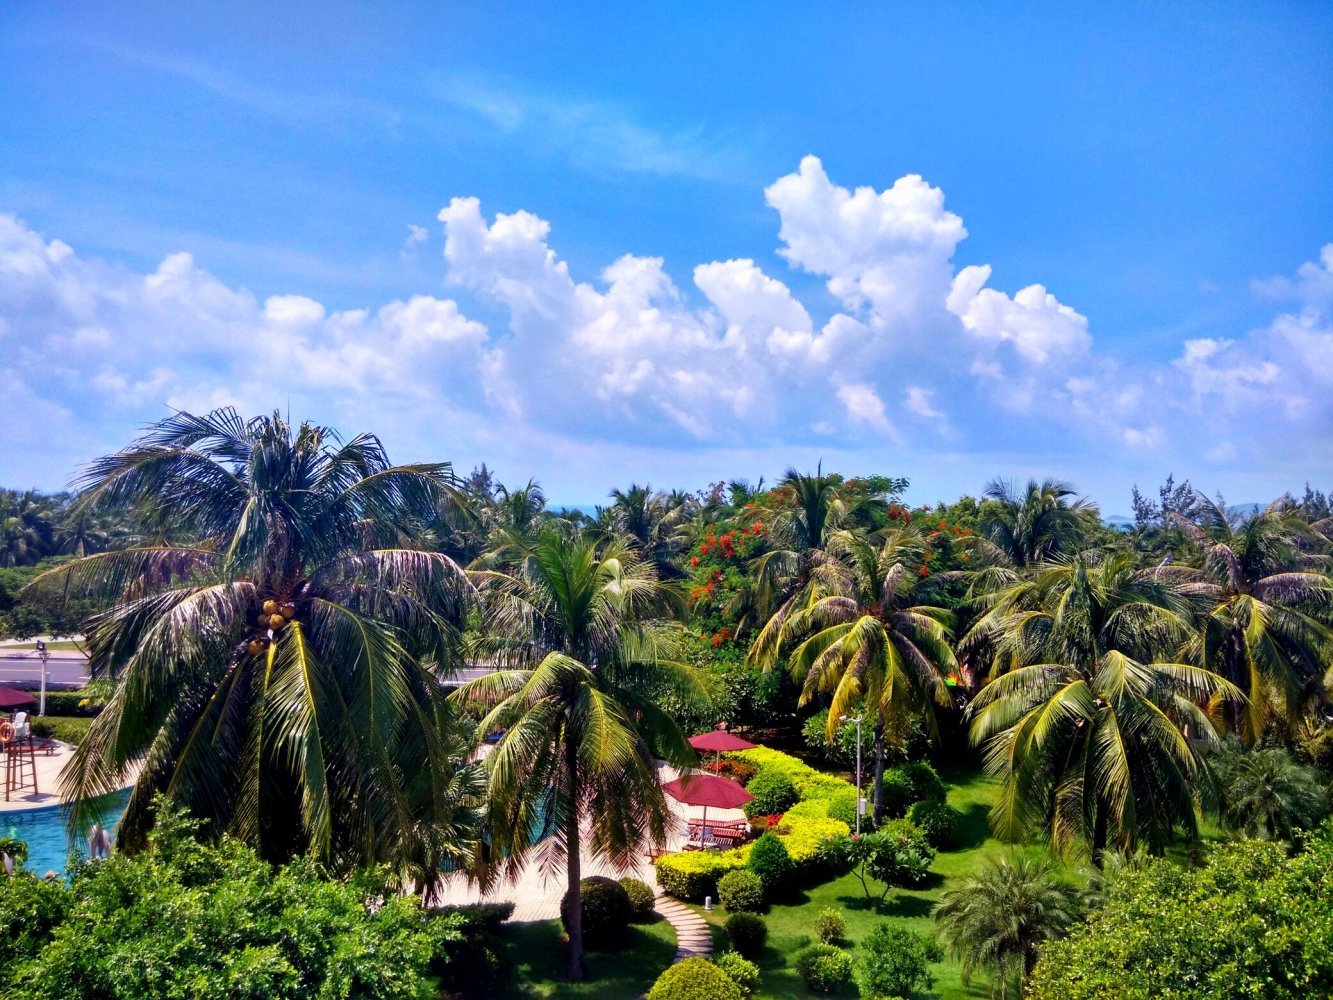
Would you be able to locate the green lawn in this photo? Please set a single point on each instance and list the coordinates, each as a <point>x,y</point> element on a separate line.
<point>789,925</point>
<point>55,645</point>
<point>538,952</point>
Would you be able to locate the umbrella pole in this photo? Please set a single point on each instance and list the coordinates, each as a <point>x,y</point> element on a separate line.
<point>703,828</point>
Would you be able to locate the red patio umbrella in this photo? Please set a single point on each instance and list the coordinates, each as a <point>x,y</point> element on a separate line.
<point>707,790</point>
<point>9,698</point>
<point>719,740</point>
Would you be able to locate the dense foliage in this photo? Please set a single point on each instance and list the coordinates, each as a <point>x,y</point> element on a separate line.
<point>695,979</point>
<point>893,962</point>
<point>185,919</point>
<point>1252,923</point>
<point>824,968</point>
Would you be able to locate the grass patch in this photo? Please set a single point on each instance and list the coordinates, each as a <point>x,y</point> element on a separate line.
<point>790,925</point>
<point>539,954</point>
<point>55,645</point>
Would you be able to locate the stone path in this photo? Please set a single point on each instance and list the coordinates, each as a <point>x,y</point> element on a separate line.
<point>692,934</point>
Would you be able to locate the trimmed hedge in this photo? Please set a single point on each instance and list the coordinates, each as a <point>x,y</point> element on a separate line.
<point>747,933</point>
<point>772,791</point>
<point>739,970</point>
<point>810,784</point>
<point>824,968</point>
<point>771,862</point>
<point>695,979</point>
<point>641,898</point>
<point>606,913</point>
<point>692,875</point>
<point>937,820</point>
<point>741,891</point>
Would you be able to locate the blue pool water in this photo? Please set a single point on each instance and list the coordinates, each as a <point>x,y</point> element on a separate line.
<point>46,833</point>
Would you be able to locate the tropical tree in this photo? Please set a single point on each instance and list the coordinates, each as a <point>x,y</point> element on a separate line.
<point>27,527</point>
<point>1046,520</point>
<point>1268,602</point>
<point>654,524</point>
<point>997,920</point>
<point>1093,735</point>
<point>277,676</point>
<point>582,648</point>
<point>1265,793</point>
<point>871,642</point>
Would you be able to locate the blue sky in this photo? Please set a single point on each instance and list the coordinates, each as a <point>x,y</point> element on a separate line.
<point>594,247</point>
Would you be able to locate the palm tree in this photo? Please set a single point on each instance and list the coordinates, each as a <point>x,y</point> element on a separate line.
<point>653,522</point>
<point>273,674</point>
<point>576,623</point>
<point>1268,601</point>
<point>1092,735</point>
<point>1267,794</point>
<point>998,919</point>
<point>1046,520</point>
<point>27,528</point>
<point>871,643</point>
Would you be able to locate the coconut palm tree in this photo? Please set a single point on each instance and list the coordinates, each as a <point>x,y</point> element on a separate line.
<point>1266,793</point>
<point>27,527</point>
<point>274,675</point>
<point>654,523</point>
<point>582,647</point>
<point>1094,736</point>
<point>1268,604</point>
<point>873,643</point>
<point>1046,520</point>
<point>997,920</point>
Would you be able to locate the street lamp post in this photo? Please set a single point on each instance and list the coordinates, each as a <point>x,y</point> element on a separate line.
<point>857,720</point>
<point>43,655</point>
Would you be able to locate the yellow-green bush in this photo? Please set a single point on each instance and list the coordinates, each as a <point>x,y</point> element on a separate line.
<point>694,874</point>
<point>810,784</point>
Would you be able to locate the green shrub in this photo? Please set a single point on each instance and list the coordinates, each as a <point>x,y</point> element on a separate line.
<point>842,806</point>
<point>770,860</point>
<point>937,820</point>
<point>75,704</point>
<point>695,979</point>
<point>1253,922</point>
<point>907,784</point>
<point>641,899</point>
<point>741,891</point>
<point>747,933</point>
<point>692,875</point>
<point>606,913</point>
<point>741,971</point>
<point>830,926</point>
<point>66,729</point>
<point>897,854</point>
<point>833,856</point>
<point>773,792</point>
<point>896,794</point>
<point>824,968</point>
<point>810,784</point>
<point>893,962</point>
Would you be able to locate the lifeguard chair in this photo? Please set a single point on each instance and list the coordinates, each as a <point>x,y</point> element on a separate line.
<point>20,755</point>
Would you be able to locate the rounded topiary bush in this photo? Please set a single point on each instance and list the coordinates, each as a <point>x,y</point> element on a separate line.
<point>771,862</point>
<point>741,891</point>
<point>843,806</point>
<point>824,968</point>
<point>641,898</point>
<point>747,933</point>
<point>695,979</point>
<point>773,793</point>
<point>830,925</point>
<point>606,913</point>
<point>908,784</point>
<point>739,970</point>
<point>937,820</point>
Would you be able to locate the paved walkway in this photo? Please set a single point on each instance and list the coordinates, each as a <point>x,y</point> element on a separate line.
<point>692,934</point>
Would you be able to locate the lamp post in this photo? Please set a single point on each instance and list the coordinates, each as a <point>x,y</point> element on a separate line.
<point>43,655</point>
<point>857,720</point>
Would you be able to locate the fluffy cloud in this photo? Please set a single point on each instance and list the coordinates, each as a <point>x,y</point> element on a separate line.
<point>911,352</point>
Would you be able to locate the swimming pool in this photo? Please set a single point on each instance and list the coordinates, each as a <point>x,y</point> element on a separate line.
<point>46,834</point>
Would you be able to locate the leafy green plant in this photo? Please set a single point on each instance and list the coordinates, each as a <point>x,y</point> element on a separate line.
<point>773,793</point>
<point>741,891</point>
<point>771,862</point>
<point>830,926</point>
<point>606,912</point>
<point>692,875</point>
<point>893,962</point>
<point>739,970</point>
<point>937,820</point>
<point>747,933</point>
<point>641,898</point>
<point>695,979</point>
<point>824,968</point>
<point>897,855</point>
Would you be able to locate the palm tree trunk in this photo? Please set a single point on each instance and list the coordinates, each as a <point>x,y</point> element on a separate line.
<point>879,772</point>
<point>574,863</point>
<point>1099,830</point>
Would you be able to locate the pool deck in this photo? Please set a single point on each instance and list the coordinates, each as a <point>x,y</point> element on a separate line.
<point>48,780</point>
<point>536,893</point>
